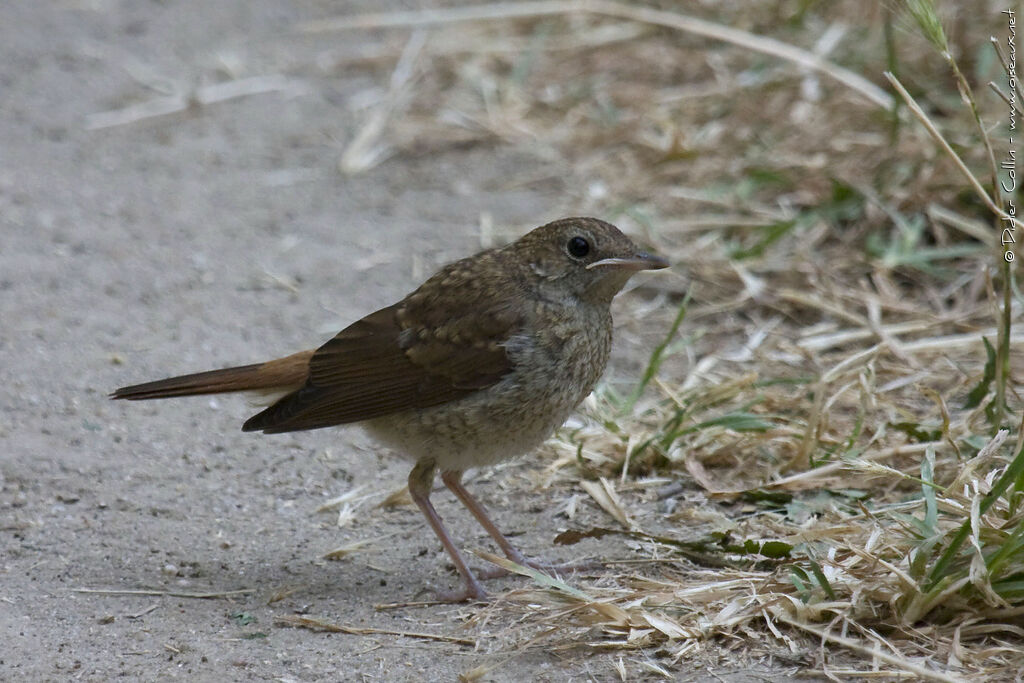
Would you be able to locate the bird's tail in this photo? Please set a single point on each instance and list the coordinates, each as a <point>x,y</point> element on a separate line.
<point>281,375</point>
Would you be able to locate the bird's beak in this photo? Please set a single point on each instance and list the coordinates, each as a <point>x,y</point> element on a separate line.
<point>639,261</point>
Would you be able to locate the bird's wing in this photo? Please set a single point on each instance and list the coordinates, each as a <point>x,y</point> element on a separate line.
<point>418,353</point>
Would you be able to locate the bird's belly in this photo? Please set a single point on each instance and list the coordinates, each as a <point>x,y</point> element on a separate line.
<point>494,424</point>
<point>451,445</point>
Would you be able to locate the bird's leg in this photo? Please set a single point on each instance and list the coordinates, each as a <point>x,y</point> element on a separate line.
<point>453,480</point>
<point>421,480</point>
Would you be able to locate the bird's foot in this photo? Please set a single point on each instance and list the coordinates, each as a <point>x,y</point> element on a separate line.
<point>471,591</point>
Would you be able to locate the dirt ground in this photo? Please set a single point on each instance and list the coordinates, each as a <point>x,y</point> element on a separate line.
<point>219,235</point>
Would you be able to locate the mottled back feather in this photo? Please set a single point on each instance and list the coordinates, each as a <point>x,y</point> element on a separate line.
<point>421,352</point>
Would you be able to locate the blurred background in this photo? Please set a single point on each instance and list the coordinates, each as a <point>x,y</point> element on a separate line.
<point>798,419</point>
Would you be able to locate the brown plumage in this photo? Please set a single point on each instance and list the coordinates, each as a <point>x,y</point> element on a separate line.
<point>480,363</point>
<point>283,374</point>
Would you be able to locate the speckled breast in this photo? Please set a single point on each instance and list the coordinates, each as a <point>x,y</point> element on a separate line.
<point>554,370</point>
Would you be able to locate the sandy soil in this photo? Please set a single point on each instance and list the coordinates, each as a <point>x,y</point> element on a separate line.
<point>220,235</point>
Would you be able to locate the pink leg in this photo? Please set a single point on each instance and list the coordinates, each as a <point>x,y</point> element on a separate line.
<point>420,481</point>
<point>453,480</point>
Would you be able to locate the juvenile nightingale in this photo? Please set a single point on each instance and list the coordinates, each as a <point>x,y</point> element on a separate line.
<point>481,363</point>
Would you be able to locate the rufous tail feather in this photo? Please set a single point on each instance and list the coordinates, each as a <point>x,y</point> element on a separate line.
<point>284,374</point>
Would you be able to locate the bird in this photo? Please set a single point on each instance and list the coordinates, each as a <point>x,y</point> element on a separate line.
<point>479,364</point>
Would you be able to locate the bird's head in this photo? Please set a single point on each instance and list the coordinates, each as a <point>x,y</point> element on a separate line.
<point>582,258</point>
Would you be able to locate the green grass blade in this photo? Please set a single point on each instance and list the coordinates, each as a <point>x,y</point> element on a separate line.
<point>657,356</point>
<point>1015,469</point>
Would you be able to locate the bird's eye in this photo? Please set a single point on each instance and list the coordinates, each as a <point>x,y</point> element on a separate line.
<point>578,247</point>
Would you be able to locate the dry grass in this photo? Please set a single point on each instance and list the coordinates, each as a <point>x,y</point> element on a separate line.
<point>822,465</point>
